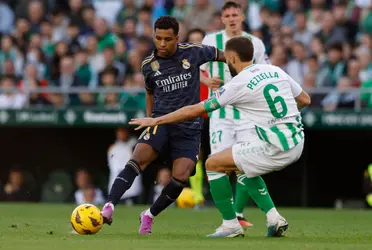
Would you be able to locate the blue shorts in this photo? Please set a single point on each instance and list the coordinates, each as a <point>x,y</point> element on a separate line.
<point>172,141</point>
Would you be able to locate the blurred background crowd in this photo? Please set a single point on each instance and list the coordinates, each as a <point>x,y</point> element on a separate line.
<point>92,45</point>
<point>88,53</point>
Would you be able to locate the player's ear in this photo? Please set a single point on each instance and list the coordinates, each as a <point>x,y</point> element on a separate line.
<point>243,16</point>
<point>177,38</point>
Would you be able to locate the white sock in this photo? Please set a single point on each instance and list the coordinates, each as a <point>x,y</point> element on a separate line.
<point>272,216</point>
<point>148,213</point>
<point>239,215</point>
<point>234,223</point>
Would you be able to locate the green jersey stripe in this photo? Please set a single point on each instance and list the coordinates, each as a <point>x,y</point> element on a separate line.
<point>221,69</point>
<point>292,128</point>
<point>300,126</point>
<point>236,113</point>
<point>262,134</point>
<point>211,75</point>
<point>281,136</point>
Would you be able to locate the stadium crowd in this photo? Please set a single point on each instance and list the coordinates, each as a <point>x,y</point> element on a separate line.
<point>92,45</point>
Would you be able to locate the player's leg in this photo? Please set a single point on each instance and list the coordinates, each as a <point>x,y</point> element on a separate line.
<point>217,166</point>
<point>242,197</point>
<point>258,158</point>
<point>184,145</point>
<point>149,144</point>
<point>222,136</point>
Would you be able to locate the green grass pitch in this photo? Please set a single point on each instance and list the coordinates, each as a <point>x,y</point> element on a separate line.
<point>38,226</point>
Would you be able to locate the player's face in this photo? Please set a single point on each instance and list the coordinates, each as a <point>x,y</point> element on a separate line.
<point>231,60</point>
<point>165,42</point>
<point>233,18</point>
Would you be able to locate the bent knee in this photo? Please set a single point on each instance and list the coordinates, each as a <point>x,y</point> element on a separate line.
<point>212,165</point>
<point>183,173</point>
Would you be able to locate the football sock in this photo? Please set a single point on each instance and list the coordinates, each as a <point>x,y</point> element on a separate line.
<point>259,193</point>
<point>124,181</point>
<point>241,195</point>
<point>196,183</point>
<point>222,194</point>
<point>272,216</point>
<point>168,195</point>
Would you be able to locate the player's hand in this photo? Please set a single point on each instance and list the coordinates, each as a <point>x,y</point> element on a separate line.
<point>143,122</point>
<point>214,82</point>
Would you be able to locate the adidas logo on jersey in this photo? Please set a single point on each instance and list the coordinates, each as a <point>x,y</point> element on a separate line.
<point>157,73</point>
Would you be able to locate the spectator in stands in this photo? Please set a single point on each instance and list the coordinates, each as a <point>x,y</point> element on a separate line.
<point>105,37</point>
<point>10,98</point>
<point>200,15</point>
<point>334,68</point>
<point>301,32</point>
<point>111,64</point>
<point>6,19</point>
<point>340,97</point>
<point>30,81</point>
<point>128,10</point>
<point>297,67</point>
<point>15,189</point>
<point>179,9</point>
<point>86,191</point>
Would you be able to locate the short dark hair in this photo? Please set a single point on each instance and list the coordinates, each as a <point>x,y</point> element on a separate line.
<point>243,46</point>
<point>335,46</point>
<point>231,4</point>
<point>195,30</point>
<point>167,22</point>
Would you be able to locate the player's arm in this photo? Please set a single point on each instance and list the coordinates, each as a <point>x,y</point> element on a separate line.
<point>303,100</point>
<point>188,112</point>
<point>149,102</point>
<point>149,92</point>
<point>301,97</point>
<point>213,83</point>
<point>220,56</point>
<point>261,56</point>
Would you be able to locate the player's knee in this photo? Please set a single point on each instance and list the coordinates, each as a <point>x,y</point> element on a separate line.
<point>183,173</point>
<point>144,156</point>
<point>212,165</point>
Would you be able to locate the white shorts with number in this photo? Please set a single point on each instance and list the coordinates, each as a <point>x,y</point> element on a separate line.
<point>224,133</point>
<point>257,157</point>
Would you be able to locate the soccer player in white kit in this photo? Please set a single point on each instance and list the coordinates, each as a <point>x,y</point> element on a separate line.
<point>226,125</point>
<point>271,99</point>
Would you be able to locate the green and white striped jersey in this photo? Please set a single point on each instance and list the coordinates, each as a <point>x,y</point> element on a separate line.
<point>265,95</point>
<point>220,69</point>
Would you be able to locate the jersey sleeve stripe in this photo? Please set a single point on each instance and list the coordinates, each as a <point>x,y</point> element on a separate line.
<point>186,46</point>
<point>147,61</point>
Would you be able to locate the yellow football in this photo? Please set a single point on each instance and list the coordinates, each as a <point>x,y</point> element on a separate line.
<point>186,199</point>
<point>86,219</point>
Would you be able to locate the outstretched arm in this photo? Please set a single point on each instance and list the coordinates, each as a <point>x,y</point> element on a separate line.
<point>149,102</point>
<point>180,115</point>
<point>220,56</point>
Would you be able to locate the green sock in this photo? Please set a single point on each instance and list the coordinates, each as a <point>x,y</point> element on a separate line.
<point>196,182</point>
<point>222,194</point>
<point>242,194</point>
<point>259,193</point>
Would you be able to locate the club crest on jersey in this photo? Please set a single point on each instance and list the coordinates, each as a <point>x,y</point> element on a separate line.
<point>155,66</point>
<point>185,64</point>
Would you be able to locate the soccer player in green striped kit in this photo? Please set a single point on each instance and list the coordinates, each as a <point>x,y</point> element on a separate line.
<point>226,124</point>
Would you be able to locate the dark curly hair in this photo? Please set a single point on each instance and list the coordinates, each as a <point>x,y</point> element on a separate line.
<point>167,22</point>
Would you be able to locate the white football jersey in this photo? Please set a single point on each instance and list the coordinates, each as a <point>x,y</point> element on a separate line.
<point>265,95</point>
<point>220,69</point>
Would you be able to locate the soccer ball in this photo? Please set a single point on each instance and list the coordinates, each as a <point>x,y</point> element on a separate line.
<point>186,199</point>
<point>86,219</point>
